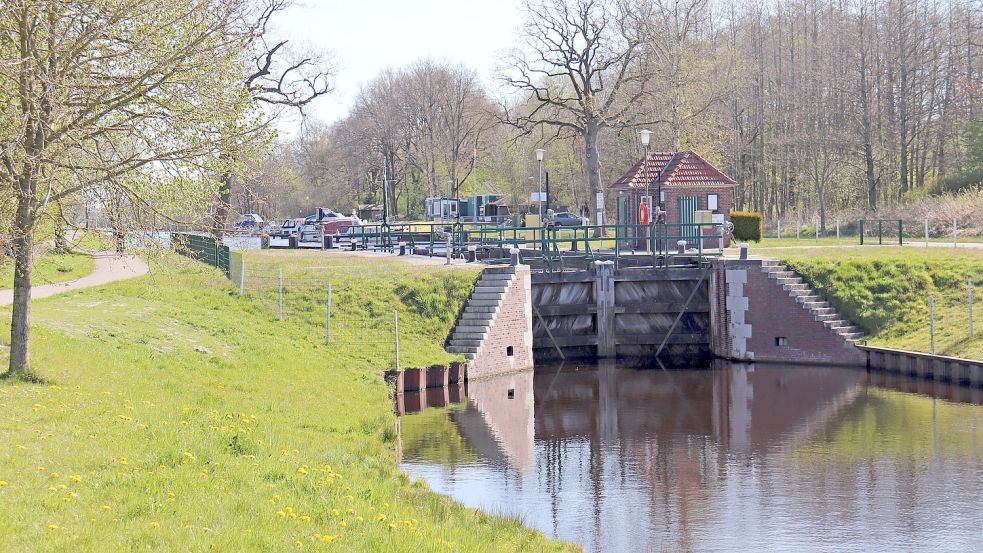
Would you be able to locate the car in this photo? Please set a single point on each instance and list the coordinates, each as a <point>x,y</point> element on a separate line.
<point>566,219</point>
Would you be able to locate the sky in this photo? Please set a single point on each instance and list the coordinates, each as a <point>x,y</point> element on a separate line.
<point>367,36</point>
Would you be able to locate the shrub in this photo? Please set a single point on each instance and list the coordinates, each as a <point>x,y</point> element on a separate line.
<point>747,225</point>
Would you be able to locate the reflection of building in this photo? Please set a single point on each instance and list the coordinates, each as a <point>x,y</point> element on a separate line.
<point>498,422</point>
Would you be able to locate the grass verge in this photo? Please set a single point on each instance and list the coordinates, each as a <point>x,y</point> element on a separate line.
<point>177,416</point>
<point>50,268</point>
<point>886,291</point>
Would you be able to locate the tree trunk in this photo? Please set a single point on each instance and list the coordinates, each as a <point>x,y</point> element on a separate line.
<point>20,330</point>
<point>221,218</point>
<point>591,132</point>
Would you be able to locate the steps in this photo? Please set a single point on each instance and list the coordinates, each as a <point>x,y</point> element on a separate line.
<point>812,302</point>
<point>478,314</point>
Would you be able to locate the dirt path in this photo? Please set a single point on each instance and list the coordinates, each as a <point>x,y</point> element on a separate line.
<point>109,268</point>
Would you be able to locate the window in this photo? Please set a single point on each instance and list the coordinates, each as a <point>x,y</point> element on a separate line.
<point>781,341</point>
<point>712,202</point>
<point>509,351</point>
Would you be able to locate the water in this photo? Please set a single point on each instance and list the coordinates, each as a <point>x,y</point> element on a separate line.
<point>732,459</point>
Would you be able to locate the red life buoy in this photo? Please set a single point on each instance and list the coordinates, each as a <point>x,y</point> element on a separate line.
<point>643,213</point>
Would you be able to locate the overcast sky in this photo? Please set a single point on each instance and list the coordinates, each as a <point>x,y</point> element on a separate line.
<point>366,36</point>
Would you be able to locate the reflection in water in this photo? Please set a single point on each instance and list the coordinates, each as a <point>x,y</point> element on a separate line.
<point>736,458</point>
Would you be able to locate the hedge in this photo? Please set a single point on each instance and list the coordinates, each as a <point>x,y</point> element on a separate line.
<point>747,225</point>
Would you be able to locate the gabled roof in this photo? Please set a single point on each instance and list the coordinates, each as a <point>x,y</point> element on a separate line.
<point>677,169</point>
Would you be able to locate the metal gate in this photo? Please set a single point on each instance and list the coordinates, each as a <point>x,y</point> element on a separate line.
<point>687,209</point>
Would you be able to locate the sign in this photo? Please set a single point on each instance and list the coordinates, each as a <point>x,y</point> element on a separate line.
<point>537,197</point>
<point>600,201</point>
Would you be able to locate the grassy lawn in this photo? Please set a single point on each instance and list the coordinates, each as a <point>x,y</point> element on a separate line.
<point>886,291</point>
<point>50,268</point>
<point>177,416</point>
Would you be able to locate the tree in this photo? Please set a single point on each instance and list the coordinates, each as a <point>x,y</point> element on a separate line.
<point>125,95</point>
<point>581,69</point>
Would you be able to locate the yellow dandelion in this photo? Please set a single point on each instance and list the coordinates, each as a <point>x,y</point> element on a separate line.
<point>299,543</point>
<point>351,511</point>
<point>189,457</point>
<point>3,483</point>
<point>62,486</point>
<point>155,524</point>
<point>342,524</point>
<point>327,539</point>
<point>335,512</point>
<point>52,527</point>
<point>52,489</point>
<point>289,509</point>
<point>381,517</point>
<point>349,498</point>
<point>75,478</point>
<point>392,526</point>
<point>305,518</point>
<point>302,470</point>
<point>385,504</point>
<point>19,446</point>
<point>281,514</point>
<point>41,469</point>
<point>293,515</point>
<point>107,508</point>
<point>55,475</point>
<point>359,519</point>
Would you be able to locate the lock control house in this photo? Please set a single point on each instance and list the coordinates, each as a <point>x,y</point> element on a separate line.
<point>692,191</point>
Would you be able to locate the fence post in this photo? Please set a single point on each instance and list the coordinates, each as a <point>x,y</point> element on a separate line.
<point>926,233</point>
<point>779,229</point>
<point>279,308</point>
<point>931,319</point>
<point>817,231</point>
<point>327,336</point>
<point>837,229</point>
<point>901,232</point>
<point>242,275</point>
<point>396,325</point>
<point>798,230</point>
<point>954,239</point>
<point>970,308</point>
<point>448,250</point>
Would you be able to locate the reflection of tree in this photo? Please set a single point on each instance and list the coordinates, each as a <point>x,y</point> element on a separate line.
<point>431,436</point>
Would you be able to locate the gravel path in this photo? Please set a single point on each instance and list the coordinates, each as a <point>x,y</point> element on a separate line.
<point>109,268</point>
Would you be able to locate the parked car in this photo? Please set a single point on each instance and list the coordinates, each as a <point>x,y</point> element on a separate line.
<point>249,221</point>
<point>566,219</point>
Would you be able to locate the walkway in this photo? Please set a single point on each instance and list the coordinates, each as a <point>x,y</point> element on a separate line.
<point>109,268</point>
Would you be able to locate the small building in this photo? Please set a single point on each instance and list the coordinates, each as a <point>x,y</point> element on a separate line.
<point>693,190</point>
<point>442,209</point>
<point>369,212</point>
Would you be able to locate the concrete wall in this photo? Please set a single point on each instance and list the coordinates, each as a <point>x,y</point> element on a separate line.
<point>750,311</point>
<point>510,327</point>
<point>925,365</point>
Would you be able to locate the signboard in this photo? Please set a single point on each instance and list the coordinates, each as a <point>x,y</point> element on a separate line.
<point>600,201</point>
<point>537,197</point>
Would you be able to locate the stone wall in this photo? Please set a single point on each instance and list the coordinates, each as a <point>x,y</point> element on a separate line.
<point>507,347</point>
<point>755,319</point>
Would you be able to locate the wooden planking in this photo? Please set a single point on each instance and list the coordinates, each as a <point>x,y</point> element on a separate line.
<point>624,339</point>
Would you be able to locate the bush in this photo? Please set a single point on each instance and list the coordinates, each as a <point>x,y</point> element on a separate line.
<point>747,225</point>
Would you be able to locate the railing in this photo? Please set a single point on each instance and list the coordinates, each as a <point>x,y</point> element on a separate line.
<point>203,248</point>
<point>554,247</point>
<point>867,224</point>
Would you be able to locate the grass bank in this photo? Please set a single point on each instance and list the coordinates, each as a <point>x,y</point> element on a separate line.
<point>886,291</point>
<point>50,268</point>
<point>177,416</point>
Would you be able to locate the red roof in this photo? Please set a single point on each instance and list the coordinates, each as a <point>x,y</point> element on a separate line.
<point>677,169</point>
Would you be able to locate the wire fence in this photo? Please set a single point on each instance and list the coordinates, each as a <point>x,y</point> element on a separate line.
<point>318,299</point>
<point>932,231</point>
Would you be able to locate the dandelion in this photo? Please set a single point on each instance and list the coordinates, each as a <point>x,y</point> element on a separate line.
<point>40,469</point>
<point>381,517</point>
<point>3,483</point>
<point>351,511</point>
<point>276,498</point>
<point>52,527</point>
<point>302,470</point>
<point>305,518</point>
<point>75,478</point>
<point>385,504</point>
<point>189,457</point>
<point>327,539</point>
<point>107,508</point>
<point>359,519</point>
<point>343,524</point>
<point>20,446</point>
<point>62,487</point>
<point>55,475</point>
<point>349,498</point>
<point>293,515</point>
<point>335,512</point>
<point>52,489</point>
<point>299,543</point>
<point>155,524</point>
<point>392,526</point>
<point>281,514</point>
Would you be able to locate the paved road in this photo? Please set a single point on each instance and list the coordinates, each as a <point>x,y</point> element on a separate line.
<point>109,268</point>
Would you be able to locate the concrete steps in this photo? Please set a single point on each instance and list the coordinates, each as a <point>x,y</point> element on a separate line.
<point>478,314</point>
<point>819,308</point>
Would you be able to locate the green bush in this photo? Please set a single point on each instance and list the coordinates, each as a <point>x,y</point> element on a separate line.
<point>747,225</point>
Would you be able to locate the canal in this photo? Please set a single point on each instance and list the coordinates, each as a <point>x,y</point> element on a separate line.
<point>736,458</point>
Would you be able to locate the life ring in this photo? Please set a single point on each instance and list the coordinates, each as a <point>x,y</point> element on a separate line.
<point>643,213</point>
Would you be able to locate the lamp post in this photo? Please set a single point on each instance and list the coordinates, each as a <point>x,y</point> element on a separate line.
<point>646,136</point>
<point>539,157</point>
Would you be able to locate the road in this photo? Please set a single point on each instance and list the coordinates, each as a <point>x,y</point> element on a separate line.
<point>110,267</point>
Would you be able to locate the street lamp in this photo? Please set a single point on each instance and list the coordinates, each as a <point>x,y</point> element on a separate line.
<point>539,157</point>
<point>646,136</point>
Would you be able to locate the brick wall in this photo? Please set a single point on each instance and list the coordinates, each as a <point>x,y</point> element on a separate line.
<point>511,327</point>
<point>751,311</point>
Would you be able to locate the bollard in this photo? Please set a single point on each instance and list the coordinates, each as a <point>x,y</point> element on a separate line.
<point>931,320</point>
<point>744,249</point>
<point>681,246</point>
<point>396,333</point>
<point>514,257</point>
<point>402,248</point>
<point>353,244</point>
<point>448,250</point>
<point>970,308</point>
<point>472,253</point>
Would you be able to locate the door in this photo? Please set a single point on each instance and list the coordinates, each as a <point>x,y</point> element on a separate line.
<point>687,211</point>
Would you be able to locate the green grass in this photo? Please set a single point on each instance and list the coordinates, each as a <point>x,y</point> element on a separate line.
<point>50,268</point>
<point>886,291</point>
<point>177,416</point>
